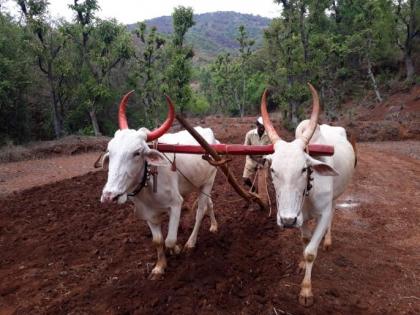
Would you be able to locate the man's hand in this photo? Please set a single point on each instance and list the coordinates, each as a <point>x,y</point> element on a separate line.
<point>259,160</point>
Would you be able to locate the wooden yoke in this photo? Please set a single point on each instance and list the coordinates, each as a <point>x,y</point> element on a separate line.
<point>248,196</point>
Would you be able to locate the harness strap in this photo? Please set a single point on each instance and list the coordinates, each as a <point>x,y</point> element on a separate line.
<point>309,178</point>
<point>186,178</point>
<point>143,183</point>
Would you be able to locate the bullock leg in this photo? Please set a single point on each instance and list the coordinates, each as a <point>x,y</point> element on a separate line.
<point>306,297</point>
<point>210,212</point>
<point>160,266</point>
<point>306,235</point>
<point>204,204</point>
<point>201,211</point>
<point>327,238</point>
<point>171,238</point>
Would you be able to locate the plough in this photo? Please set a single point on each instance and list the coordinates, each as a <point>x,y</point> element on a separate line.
<point>212,153</point>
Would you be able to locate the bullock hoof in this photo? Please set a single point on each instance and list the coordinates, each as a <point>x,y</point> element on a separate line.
<point>188,248</point>
<point>156,274</point>
<point>306,300</point>
<point>176,250</point>
<point>214,228</point>
<point>326,246</point>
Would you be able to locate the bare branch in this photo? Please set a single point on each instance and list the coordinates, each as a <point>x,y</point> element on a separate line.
<point>41,67</point>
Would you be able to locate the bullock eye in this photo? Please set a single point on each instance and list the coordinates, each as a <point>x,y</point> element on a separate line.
<point>304,170</point>
<point>137,153</point>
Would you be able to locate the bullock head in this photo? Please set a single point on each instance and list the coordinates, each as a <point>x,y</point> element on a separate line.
<point>290,165</point>
<point>127,153</point>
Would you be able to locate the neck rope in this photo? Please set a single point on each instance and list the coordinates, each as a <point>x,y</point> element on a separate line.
<point>144,181</point>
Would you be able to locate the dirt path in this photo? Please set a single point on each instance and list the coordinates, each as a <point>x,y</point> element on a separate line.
<point>17,176</point>
<point>62,252</point>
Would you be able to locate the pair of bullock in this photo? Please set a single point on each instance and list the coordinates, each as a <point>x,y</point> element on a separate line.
<point>131,163</point>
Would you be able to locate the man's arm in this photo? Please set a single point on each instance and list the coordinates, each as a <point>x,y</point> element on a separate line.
<point>248,142</point>
<point>247,139</point>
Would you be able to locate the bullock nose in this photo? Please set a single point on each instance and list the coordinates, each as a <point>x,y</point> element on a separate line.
<point>107,197</point>
<point>289,222</point>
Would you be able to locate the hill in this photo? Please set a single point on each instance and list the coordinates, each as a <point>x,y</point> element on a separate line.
<point>216,32</point>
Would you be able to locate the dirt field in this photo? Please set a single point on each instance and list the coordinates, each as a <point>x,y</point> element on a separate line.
<point>62,252</point>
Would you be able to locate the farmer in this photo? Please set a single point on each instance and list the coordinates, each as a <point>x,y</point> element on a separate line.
<point>256,136</point>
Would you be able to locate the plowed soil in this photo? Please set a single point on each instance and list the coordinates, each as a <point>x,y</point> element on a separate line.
<point>62,252</point>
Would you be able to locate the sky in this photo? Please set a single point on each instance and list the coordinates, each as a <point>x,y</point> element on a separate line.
<point>131,11</point>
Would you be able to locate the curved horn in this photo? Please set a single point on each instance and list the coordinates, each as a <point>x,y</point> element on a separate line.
<point>271,132</point>
<point>313,122</point>
<point>166,125</point>
<point>122,119</point>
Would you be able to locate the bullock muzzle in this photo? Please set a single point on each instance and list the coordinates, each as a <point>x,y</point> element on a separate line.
<point>290,221</point>
<point>109,197</point>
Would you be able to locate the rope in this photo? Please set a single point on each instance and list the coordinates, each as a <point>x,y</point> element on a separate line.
<point>266,187</point>
<point>268,194</point>
<point>253,182</point>
<point>188,180</point>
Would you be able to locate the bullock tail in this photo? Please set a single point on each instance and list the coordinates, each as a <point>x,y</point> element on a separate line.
<point>353,144</point>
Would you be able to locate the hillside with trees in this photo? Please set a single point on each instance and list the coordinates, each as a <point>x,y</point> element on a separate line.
<point>59,78</point>
<point>216,32</point>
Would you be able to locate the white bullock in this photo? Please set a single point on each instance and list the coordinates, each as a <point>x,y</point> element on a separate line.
<point>302,196</point>
<point>129,160</point>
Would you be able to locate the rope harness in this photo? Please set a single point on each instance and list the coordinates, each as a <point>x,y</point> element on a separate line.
<point>144,181</point>
<point>309,179</point>
<point>148,171</point>
<point>174,168</point>
<point>261,167</point>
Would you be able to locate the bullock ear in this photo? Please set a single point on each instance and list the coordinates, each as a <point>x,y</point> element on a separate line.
<point>321,168</point>
<point>102,161</point>
<point>154,157</point>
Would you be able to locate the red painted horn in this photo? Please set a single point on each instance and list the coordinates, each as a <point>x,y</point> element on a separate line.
<point>313,122</point>
<point>271,132</point>
<point>158,132</point>
<point>122,119</point>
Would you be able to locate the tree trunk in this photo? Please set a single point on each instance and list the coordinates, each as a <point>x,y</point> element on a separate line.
<point>303,34</point>
<point>243,95</point>
<point>57,116</point>
<point>294,115</point>
<point>372,78</point>
<point>95,125</point>
<point>409,66</point>
<point>58,129</point>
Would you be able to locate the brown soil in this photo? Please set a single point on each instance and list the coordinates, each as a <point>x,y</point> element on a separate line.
<point>62,252</point>
<point>16,176</point>
<point>70,145</point>
<point>396,118</point>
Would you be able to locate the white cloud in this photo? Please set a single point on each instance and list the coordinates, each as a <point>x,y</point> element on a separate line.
<point>131,11</point>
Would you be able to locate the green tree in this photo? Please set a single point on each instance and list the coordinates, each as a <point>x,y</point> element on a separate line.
<point>103,46</point>
<point>224,73</point>
<point>245,45</point>
<point>15,80</point>
<point>47,45</point>
<point>287,58</point>
<point>407,24</point>
<point>148,75</point>
<point>178,75</point>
